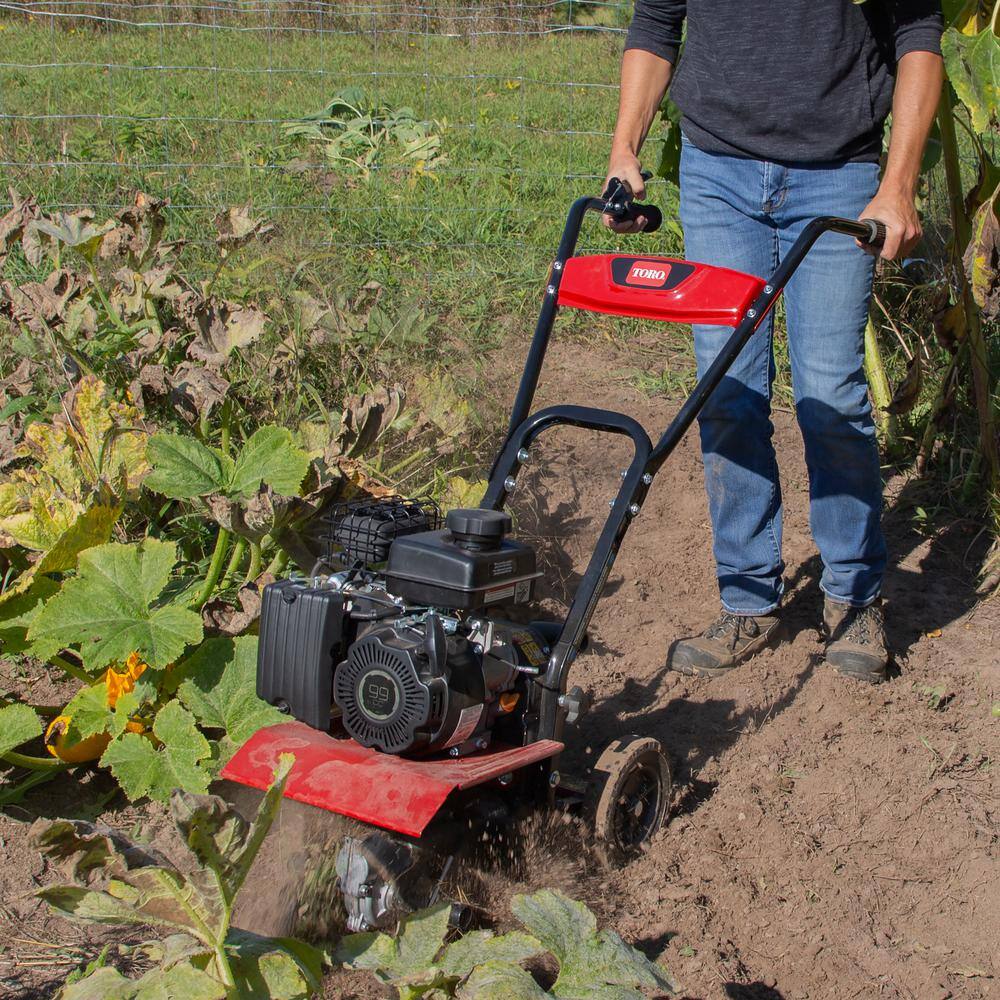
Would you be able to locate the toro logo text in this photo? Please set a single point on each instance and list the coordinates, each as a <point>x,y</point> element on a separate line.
<point>648,273</point>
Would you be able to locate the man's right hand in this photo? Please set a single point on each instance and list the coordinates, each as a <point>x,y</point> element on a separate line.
<point>625,166</point>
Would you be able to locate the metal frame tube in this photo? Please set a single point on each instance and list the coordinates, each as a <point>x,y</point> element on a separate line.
<point>646,461</point>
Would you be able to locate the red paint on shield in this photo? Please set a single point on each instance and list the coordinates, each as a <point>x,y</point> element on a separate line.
<point>687,292</point>
<point>396,793</point>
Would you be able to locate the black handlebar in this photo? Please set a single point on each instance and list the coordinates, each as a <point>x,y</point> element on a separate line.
<point>620,206</point>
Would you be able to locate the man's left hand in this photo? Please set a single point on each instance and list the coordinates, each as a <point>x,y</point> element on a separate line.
<point>902,224</point>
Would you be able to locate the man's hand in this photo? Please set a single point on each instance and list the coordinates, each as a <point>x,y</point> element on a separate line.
<point>914,102</point>
<point>902,223</point>
<point>625,166</point>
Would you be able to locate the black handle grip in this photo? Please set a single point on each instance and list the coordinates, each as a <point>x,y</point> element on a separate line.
<point>876,232</point>
<point>652,215</point>
<point>620,206</point>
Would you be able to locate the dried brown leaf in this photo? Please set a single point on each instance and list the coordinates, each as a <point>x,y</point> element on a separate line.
<point>908,391</point>
<point>195,390</point>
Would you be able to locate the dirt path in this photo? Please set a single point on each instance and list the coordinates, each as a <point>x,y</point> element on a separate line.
<point>828,840</point>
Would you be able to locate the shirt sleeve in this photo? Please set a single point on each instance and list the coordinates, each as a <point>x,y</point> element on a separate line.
<point>656,27</point>
<point>917,26</point>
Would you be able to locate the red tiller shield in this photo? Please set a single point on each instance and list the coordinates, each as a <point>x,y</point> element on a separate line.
<point>396,793</point>
<point>664,288</point>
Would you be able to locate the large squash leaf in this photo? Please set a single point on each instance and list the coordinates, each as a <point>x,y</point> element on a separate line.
<point>220,689</point>
<point>18,724</point>
<point>973,64</point>
<point>116,606</point>
<point>593,965</point>
<point>183,468</point>
<point>498,980</point>
<point>143,769</point>
<point>270,457</point>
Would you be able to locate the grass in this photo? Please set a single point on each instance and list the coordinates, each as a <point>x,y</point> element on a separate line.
<point>205,130</point>
<point>195,114</point>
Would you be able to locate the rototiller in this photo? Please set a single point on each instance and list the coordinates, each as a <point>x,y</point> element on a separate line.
<point>420,709</point>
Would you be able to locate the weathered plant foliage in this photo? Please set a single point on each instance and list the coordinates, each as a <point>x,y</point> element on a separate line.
<point>118,882</point>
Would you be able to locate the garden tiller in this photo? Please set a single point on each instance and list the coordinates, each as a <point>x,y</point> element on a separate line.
<point>417,707</point>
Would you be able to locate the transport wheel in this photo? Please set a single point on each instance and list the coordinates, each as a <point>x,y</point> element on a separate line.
<point>629,795</point>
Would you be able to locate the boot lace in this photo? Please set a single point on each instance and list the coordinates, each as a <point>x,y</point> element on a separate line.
<point>864,625</point>
<point>731,627</point>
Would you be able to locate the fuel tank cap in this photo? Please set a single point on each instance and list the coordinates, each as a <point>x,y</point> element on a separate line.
<point>478,528</point>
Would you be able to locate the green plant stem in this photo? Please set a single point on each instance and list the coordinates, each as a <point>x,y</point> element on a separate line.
<point>10,795</point>
<point>278,563</point>
<point>978,351</point>
<point>253,570</point>
<point>30,763</point>
<point>227,417</point>
<point>937,411</point>
<point>878,383</point>
<point>225,969</point>
<point>239,550</point>
<point>214,568</point>
<point>119,323</point>
<point>71,668</point>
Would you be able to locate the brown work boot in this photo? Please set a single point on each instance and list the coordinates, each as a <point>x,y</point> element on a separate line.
<point>729,640</point>
<point>855,642</point>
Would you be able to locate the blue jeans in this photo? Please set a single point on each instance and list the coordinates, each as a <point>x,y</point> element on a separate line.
<point>746,214</point>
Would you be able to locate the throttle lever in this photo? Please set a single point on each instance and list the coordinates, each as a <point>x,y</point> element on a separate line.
<point>619,205</point>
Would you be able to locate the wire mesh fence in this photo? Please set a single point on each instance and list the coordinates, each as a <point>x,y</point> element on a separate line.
<point>453,134</point>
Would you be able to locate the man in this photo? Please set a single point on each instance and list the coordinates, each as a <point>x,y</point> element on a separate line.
<point>783,110</point>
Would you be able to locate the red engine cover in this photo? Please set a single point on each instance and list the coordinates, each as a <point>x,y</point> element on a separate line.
<point>396,793</point>
<point>664,288</point>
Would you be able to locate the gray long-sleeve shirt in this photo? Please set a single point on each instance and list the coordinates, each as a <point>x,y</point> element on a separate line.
<point>792,81</point>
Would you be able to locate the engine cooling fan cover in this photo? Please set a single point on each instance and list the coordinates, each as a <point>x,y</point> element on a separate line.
<point>385,702</point>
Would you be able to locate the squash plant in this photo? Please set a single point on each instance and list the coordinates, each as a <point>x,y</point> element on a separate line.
<point>203,957</point>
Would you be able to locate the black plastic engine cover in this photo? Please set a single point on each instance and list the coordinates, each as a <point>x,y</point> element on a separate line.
<point>431,568</point>
<point>301,641</point>
<point>394,699</point>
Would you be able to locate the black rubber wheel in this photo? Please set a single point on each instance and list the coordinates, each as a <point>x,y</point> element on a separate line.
<point>628,796</point>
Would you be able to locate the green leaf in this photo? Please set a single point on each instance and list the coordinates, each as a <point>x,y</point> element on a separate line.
<point>287,969</point>
<point>593,964</point>
<point>271,457</point>
<point>421,936</point>
<point>220,838</point>
<point>183,468</point>
<point>479,947</point>
<point>111,609</point>
<point>144,770</point>
<point>18,724</point>
<point>181,980</point>
<point>17,614</point>
<point>501,981</point>
<point>220,689</point>
<point>74,229</point>
<point>669,164</point>
<point>90,905</point>
<point>88,711</point>
<point>973,64</point>
<point>106,983</point>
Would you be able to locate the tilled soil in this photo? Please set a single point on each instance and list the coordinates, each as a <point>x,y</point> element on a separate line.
<point>827,840</point>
